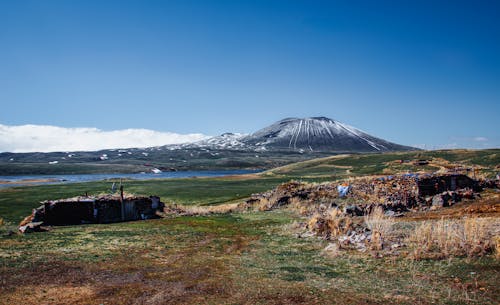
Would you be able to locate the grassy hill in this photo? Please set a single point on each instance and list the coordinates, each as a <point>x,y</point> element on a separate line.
<point>144,160</point>
<point>486,163</point>
<point>320,164</point>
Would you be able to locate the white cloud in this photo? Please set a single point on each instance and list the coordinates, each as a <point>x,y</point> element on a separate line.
<point>44,138</point>
<point>421,146</point>
<point>478,142</point>
<point>480,139</point>
<point>449,146</point>
<point>434,147</point>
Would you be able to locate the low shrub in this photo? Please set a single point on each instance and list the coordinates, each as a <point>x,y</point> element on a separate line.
<point>380,226</point>
<point>330,224</point>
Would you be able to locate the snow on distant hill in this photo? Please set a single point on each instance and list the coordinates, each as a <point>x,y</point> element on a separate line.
<point>224,141</point>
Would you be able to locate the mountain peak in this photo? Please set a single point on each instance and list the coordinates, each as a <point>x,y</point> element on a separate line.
<point>318,134</point>
<point>314,134</point>
<point>318,118</point>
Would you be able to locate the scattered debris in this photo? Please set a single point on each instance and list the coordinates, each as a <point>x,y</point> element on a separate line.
<point>32,227</point>
<point>343,189</point>
<point>359,213</point>
<point>396,194</point>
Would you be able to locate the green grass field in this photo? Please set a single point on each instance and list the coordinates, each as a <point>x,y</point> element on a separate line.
<point>16,203</point>
<point>248,258</point>
<point>240,258</point>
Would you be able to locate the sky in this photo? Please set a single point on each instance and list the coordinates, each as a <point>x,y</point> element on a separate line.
<point>420,73</point>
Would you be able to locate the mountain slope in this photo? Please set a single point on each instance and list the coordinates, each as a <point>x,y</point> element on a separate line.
<point>231,141</point>
<point>318,134</point>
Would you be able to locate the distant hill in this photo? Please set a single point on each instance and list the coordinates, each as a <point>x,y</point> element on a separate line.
<point>475,163</point>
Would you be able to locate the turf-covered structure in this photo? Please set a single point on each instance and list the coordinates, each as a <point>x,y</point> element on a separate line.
<point>432,185</point>
<point>92,209</point>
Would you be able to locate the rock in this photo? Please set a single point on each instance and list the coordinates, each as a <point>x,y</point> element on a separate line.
<point>446,199</point>
<point>308,234</point>
<point>396,246</point>
<point>283,201</point>
<point>31,227</point>
<point>437,202</point>
<point>332,247</point>
<point>332,250</point>
<point>353,210</point>
<point>390,213</point>
<point>343,239</point>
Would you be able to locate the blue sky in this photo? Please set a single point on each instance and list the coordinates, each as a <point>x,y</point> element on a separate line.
<point>412,72</point>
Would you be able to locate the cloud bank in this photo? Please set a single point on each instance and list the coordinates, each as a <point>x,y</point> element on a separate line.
<point>478,142</point>
<point>45,138</point>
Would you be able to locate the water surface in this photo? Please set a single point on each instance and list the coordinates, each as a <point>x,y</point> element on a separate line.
<point>10,181</point>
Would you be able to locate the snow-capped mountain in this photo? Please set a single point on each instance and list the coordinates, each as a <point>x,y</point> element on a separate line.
<point>318,134</point>
<point>306,134</point>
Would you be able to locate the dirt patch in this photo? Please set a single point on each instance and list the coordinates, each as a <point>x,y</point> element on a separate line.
<point>50,294</point>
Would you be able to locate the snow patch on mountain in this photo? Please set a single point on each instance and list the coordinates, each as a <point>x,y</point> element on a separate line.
<point>317,133</point>
<point>231,141</point>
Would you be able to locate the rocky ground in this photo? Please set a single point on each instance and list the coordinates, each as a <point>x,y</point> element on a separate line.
<point>387,216</point>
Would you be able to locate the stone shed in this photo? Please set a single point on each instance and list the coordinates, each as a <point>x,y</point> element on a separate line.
<point>94,209</point>
<point>432,185</point>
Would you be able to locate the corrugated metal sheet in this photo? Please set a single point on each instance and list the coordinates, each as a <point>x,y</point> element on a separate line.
<point>130,209</point>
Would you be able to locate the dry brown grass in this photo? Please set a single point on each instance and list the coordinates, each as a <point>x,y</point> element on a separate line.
<point>380,226</point>
<point>331,224</point>
<point>300,206</point>
<point>471,237</point>
<point>50,294</point>
<point>496,244</point>
<point>338,223</point>
<point>265,203</point>
<point>207,210</point>
<point>316,224</point>
<point>305,207</point>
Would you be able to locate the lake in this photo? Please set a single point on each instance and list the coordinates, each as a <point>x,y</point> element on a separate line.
<point>10,181</point>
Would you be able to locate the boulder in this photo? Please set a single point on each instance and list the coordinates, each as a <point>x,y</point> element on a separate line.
<point>437,202</point>
<point>31,227</point>
<point>353,210</point>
